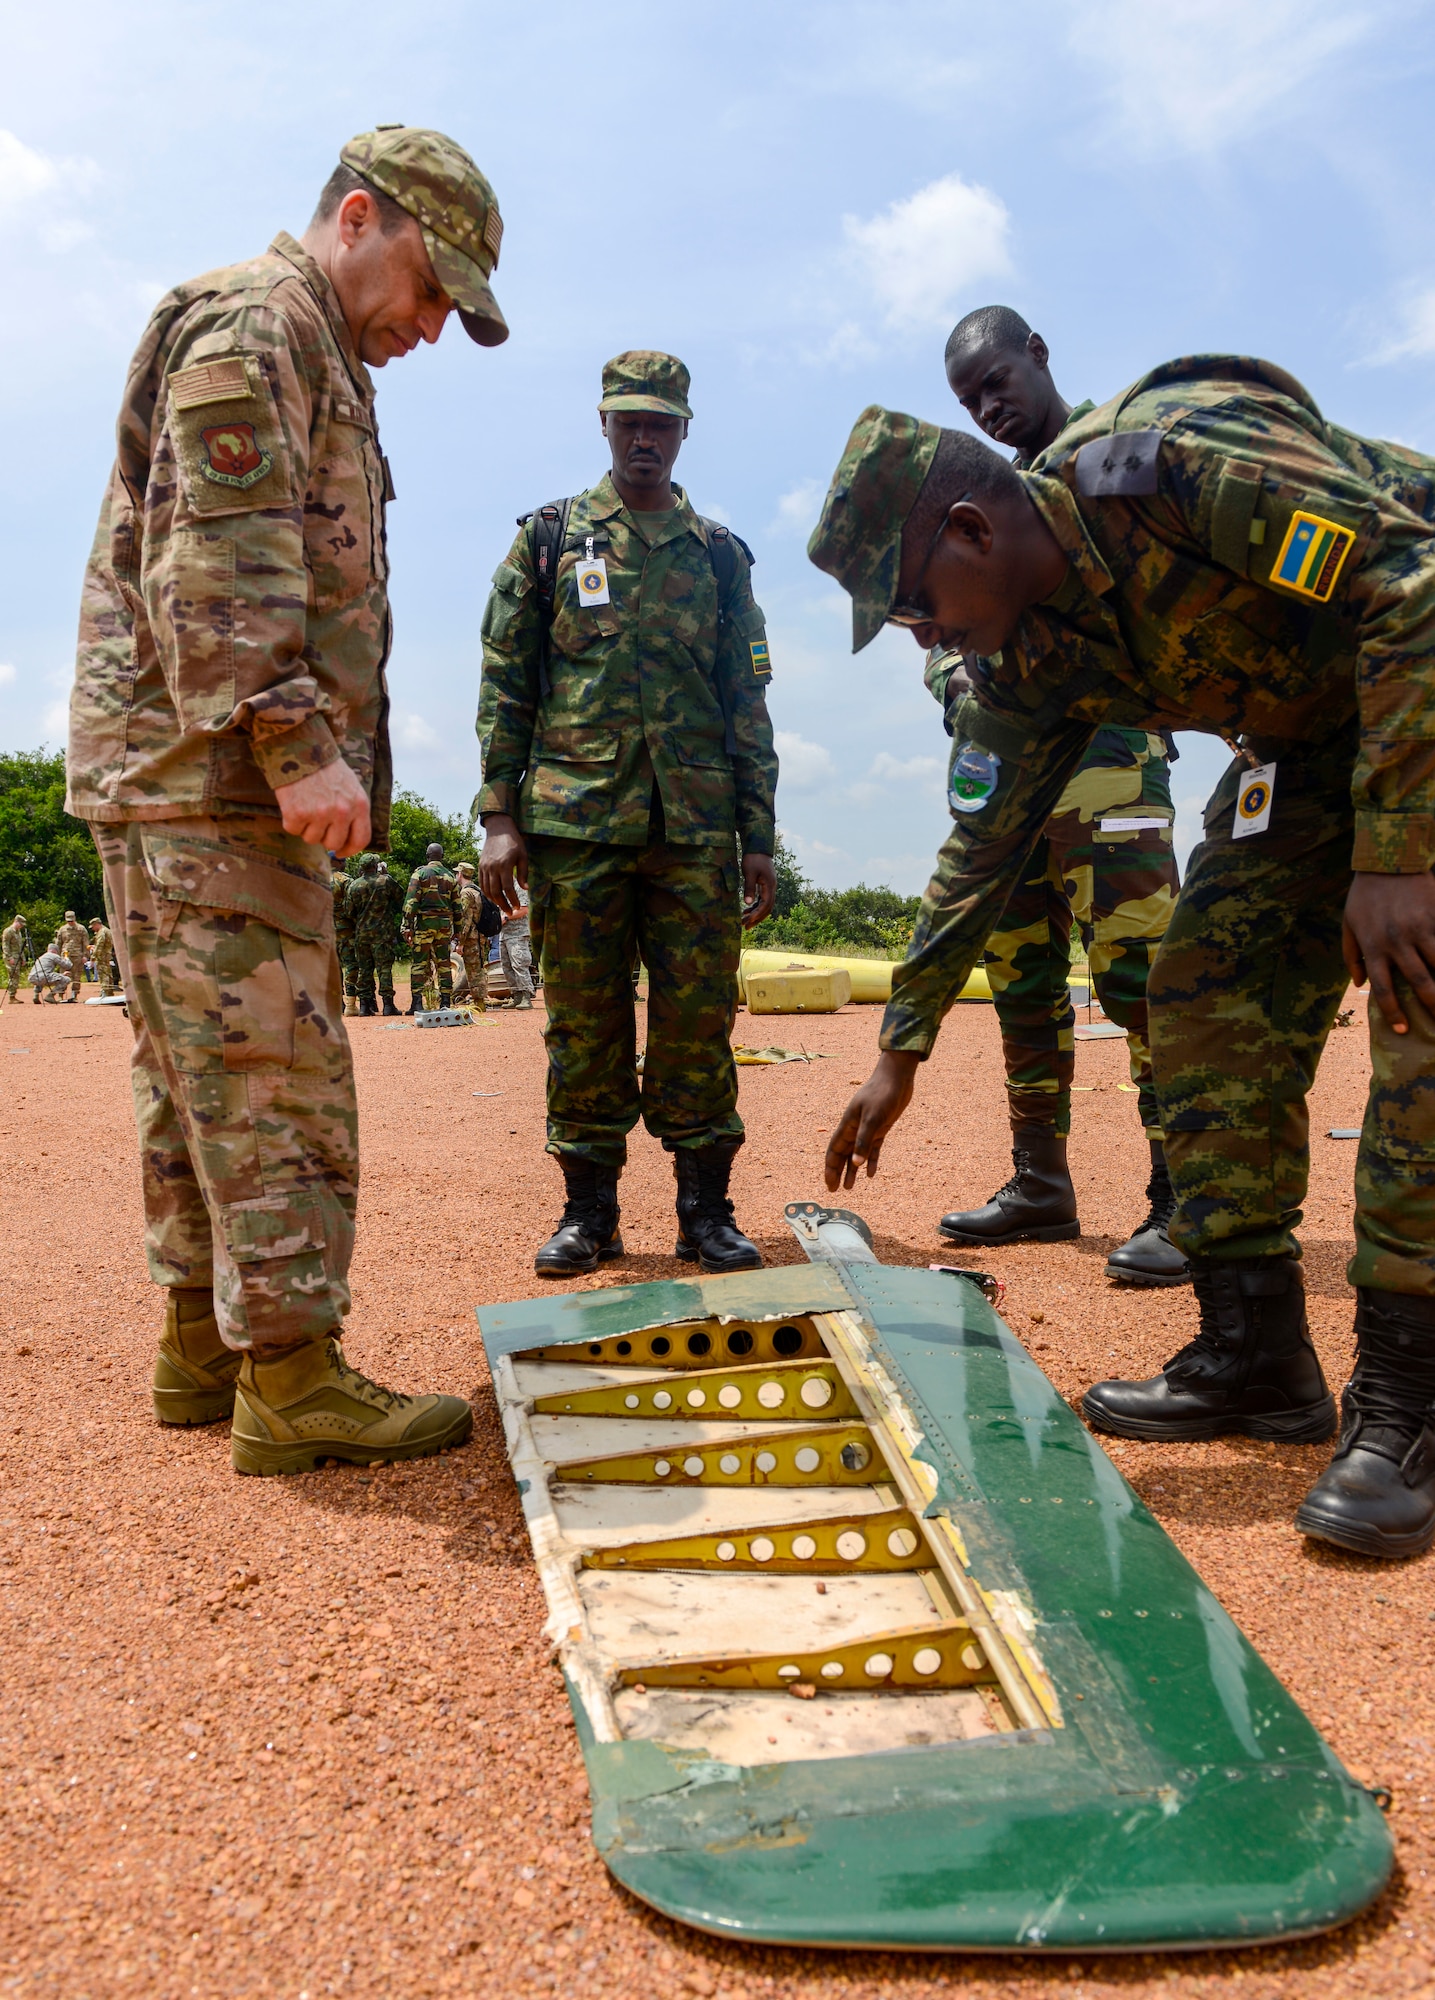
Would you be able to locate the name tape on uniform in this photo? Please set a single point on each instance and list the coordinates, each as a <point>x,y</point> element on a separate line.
<point>1109,825</point>
<point>592,578</point>
<point>1253,801</point>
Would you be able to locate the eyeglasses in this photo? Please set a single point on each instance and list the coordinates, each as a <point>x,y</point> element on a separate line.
<point>915,610</point>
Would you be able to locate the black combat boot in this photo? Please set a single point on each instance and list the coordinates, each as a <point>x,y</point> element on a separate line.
<point>1148,1256</point>
<point>1251,1368</point>
<point>416,1002</point>
<point>1377,1496</point>
<point>389,1007</point>
<point>367,1004</point>
<point>587,1232</point>
<point>1037,1205</point>
<point>707,1234</point>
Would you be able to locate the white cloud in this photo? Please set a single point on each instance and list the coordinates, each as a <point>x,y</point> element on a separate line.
<point>55,723</point>
<point>1190,75</point>
<point>412,732</point>
<point>804,766</point>
<point>921,257</point>
<point>906,770</point>
<point>799,507</point>
<point>819,848</point>
<point>28,179</point>
<point>1415,338</point>
<point>7,673</point>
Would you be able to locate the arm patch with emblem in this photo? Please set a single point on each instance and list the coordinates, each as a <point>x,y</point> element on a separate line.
<point>1123,464</point>
<point>1312,555</point>
<point>761,659</point>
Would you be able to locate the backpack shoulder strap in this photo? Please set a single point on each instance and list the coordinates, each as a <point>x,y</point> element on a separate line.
<point>723,546</point>
<point>547,531</point>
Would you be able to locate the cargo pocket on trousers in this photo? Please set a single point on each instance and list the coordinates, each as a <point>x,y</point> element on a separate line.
<point>256,997</point>
<point>276,1245</point>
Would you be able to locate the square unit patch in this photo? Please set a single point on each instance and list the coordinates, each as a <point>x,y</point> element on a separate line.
<point>1311,556</point>
<point>761,658</point>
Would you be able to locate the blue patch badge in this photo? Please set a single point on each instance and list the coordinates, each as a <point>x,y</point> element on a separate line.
<point>761,658</point>
<point>975,776</point>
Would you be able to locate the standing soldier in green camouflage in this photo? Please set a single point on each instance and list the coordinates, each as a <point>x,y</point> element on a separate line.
<point>431,914</point>
<point>469,935</point>
<point>103,946</point>
<point>1207,550</point>
<point>626,752</point>
<point>376,899</point>
<point>74,942</point>
<point>249,480</point>
<point>344,938</point>
<point>15,944</point>
<point>1104,862</point>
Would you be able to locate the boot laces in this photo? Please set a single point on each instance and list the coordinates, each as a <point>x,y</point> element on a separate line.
<point>1021,1164</point>
<point>1162,1197</point>
<point>393,1399</point>
<point>1210,1349</point>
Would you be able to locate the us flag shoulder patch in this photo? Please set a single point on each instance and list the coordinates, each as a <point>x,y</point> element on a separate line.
<point>1311,556</point>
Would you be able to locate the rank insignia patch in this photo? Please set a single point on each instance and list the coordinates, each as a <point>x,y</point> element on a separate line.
<point>1311,556</point>
<point>232,456</point>
<point>761,658</point>
<point>975,776</point>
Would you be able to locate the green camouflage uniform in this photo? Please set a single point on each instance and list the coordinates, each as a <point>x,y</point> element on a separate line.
<point>633,805</point>
<point>431,911</point>
<point>344,934</point>
<point>1098,867</point>
<point>1237,564</point>
<point>103,945</point>
<point>15,944</point>
<point>377,899</point>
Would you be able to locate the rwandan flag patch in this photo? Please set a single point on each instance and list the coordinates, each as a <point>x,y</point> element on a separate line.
<point>761,658</point>
<point>1311,556</point>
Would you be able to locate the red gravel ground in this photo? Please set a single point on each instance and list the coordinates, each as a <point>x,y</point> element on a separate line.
<point>300,1737</point>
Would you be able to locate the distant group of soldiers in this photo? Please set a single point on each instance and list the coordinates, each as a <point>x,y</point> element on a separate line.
<point>442,915</point>
<point>62,963</point>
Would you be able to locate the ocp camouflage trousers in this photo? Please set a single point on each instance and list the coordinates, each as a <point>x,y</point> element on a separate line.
<point>1242,995</point>
<point>474,952</point>
<point>432,966</point>
<point>1119,890</point>
<point>243,1084</point>
<point>373,962</point>
<point>590,905</point>
<point>15,974</point>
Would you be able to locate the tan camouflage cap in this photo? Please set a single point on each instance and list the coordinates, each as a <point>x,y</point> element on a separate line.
<point>439,185</point>
<point>69,916</point>
<point>644,380</point>
<point>874,489</point>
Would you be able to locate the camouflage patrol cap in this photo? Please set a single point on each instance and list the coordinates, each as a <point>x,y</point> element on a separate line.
<point>859,537</point>
<point>435,180</point>
<point>69,916</point>
<point>642,379</point>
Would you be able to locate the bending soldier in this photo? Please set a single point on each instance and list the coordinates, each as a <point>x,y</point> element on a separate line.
<point>1103,863</point>
<point>50,975</point>
<point>431,913</point>
<point>1208,550</point>
<point>626,745</point>
<point>249,477</point>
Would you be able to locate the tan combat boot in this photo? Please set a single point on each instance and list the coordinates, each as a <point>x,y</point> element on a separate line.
<point>194,1371</point>
<point>301,1407</point>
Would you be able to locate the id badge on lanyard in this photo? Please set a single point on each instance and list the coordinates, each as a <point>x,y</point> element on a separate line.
<point>1253,801</point>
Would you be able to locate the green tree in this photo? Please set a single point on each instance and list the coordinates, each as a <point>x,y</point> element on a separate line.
<point>48,862</point>
<point>414,825</point>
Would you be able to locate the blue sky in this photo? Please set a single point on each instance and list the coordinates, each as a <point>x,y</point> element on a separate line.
<point>799,199</point>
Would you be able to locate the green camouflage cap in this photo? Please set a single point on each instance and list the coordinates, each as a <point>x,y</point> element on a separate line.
<point>874,489</point>
<point>644,380</point>
<point>453,204</point>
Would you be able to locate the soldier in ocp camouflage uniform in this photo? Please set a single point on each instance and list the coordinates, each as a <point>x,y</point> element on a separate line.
<point>103,945</point>
<point>377,899</point>
<point>431,914</point>
<point>1104,863</point>
<point>344,938</point>
<point>74,943</point>
<point>469,937</point>
<point>15,944</point>
<point>622,752</point>
<point>1208,550</point>
<point>248,497</point>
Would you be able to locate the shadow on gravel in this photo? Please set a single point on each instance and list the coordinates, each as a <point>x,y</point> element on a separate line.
<point>1267,1484</point>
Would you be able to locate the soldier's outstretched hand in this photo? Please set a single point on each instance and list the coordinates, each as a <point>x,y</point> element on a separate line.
<point>1390,934</point>
<point>504,857</point>
<point>869,1118</point>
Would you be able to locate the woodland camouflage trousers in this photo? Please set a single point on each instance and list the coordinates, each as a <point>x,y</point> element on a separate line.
<point>1118,888</point>
<point>243,1083</point>
<point>1243,994</point>
<point>591,904</point>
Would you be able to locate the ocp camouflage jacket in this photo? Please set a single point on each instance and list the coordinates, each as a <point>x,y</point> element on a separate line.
<point>1238,566</point>
<point>234,624</point>
<point>634,697</point>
